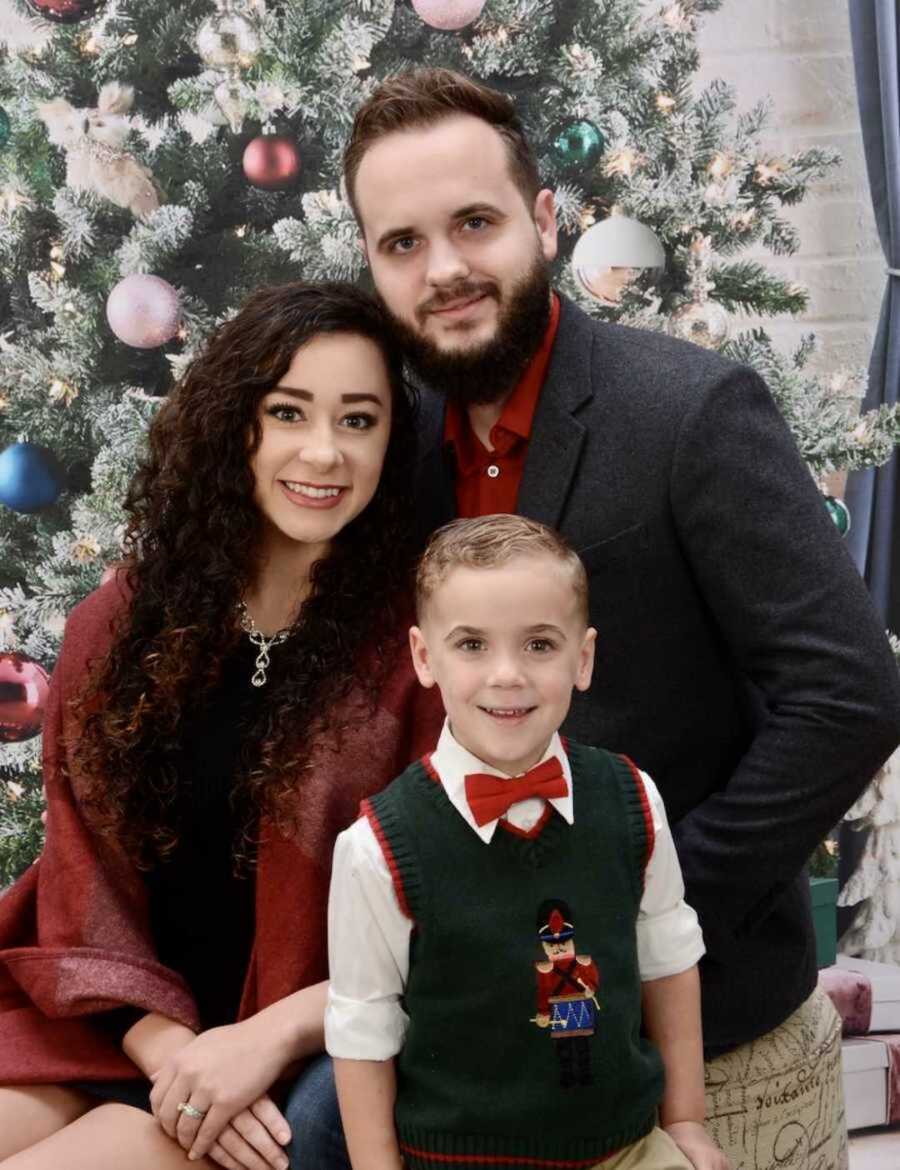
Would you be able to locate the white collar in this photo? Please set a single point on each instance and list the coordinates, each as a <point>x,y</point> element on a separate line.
<point>452,763</point>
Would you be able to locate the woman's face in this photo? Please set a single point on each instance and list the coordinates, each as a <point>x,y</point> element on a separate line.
<point>325,429</point>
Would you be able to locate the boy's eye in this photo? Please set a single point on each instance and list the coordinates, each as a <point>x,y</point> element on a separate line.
<point>541,645</point>
<point>471,644</point>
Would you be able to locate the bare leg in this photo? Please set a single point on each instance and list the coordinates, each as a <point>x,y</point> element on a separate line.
<point>107,1138</point>
<point>30,1113</point>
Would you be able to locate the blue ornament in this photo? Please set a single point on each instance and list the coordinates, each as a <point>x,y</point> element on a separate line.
<point>30,477</point>
<point>839,513</point>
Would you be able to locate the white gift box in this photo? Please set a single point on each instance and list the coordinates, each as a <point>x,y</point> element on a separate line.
<point>865,1071</point>
<point>885,980</point>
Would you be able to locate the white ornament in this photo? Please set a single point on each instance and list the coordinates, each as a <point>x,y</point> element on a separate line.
<point>449,15</point>
<point>93,140</point>
<point>228,39</point>
<point>612,253</point>
<point>143,311</point>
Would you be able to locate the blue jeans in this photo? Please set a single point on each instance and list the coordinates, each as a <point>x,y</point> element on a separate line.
<point>311,1109</point>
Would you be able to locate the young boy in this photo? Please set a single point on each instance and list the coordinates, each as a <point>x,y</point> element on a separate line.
<point>509,911</point>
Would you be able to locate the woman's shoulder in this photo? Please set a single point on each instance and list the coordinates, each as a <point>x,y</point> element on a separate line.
<point>91,625</point>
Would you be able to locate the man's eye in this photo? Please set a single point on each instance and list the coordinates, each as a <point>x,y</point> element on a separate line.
<point>477,222</point>
<point>403,245</point>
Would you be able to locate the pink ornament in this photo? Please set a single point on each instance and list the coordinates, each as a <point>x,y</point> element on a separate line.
<point>143,311</point>
<point>24,686</point>
<point>272,162</point>
<point>449,15</point>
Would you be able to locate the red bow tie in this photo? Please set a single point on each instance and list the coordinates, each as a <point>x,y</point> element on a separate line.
<point>490,796</point>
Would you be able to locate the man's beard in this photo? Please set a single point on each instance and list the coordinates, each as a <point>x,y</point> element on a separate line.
<point>487,372</point>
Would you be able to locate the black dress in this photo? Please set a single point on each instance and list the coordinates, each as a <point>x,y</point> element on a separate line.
<point>201,901</point>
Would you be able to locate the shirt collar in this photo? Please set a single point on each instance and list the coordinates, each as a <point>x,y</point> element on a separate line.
<point>517,417</point>
<point>452,763</point>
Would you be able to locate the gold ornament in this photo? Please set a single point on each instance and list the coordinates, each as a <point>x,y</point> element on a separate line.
<point>765,173</point>
<point>85,549</point>
<point>62,391</point>
<point>623,162</point>
<point>228,39</point>
<point>14,790</point>
<point>721,165</point>
<point>665,103</point>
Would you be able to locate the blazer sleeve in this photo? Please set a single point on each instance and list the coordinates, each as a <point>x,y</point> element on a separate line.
<point>799,624</point>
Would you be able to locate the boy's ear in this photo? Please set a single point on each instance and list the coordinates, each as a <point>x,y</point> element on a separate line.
<point>420,657</point>
<point>586,660</point>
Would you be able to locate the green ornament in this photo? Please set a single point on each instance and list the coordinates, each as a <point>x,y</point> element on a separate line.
<point>577,145</point>
<point>5,127</point>
<point>839,513</point>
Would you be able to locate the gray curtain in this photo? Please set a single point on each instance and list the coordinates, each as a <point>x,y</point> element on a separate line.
<point>873,497</point>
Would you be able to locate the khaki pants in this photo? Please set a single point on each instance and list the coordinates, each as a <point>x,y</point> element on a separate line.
<point>656,1151</point>
<point>778,1102</point>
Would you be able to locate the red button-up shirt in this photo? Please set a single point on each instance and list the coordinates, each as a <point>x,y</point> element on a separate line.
<point>487,481</point>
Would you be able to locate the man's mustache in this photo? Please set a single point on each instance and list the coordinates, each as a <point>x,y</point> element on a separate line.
<point>461,292</point>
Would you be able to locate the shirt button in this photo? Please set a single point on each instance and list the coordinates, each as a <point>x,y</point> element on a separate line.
<point>493,471</point>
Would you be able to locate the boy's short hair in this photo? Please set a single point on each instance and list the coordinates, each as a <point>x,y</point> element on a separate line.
<point>424,97</point>
<point>487,542</point>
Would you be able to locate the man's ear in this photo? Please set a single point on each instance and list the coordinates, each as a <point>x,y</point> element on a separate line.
<point>544,215</point>
<point>421,661</point>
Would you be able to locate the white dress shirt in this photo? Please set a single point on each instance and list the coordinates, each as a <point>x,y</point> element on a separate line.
<point>368,933</point>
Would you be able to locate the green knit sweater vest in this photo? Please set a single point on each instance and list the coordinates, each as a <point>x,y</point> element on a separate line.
<point>524,1045</point>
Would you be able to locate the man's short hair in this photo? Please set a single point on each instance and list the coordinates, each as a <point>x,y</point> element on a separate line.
<point>424,97</point>
<point>487,542</point>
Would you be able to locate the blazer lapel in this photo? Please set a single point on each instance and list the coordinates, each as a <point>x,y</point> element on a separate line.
<point>557,437</point>
<point>434,495</point>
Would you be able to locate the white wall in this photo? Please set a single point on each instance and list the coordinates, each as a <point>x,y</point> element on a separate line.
<point>799,53</point>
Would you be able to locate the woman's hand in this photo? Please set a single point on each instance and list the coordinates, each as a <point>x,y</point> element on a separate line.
<point>251,1141</point>
<point>697,1146</point>
<point>219,1074</point>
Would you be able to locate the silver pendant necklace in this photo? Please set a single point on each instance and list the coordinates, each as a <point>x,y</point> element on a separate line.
<point>259,639</point>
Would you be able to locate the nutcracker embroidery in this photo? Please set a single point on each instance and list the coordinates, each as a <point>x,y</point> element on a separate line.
<point>566,993</point>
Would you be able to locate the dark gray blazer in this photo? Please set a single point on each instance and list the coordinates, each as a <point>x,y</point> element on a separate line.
<point>739,659</point>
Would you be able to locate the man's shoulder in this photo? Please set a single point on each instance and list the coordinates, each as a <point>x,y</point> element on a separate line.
<point>641,361</point>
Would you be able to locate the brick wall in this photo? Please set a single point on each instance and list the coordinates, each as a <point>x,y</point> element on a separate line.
<point>799,53</point>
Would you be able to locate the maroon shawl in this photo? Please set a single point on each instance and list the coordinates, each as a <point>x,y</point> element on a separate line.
<point>74,933</point>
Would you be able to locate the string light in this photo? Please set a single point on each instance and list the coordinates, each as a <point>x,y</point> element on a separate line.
<point>665,103</point>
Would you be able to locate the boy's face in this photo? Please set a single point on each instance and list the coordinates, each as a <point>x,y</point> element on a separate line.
<point>505,646</point>
<point>448,235</point>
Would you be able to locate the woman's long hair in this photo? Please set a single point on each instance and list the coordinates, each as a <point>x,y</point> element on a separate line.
<point>193,548</point>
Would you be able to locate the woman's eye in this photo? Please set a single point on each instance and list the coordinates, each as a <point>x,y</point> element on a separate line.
<point>359,422</point>
<point>284,412</point>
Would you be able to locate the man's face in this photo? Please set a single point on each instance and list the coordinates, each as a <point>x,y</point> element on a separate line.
<point>458,257</point>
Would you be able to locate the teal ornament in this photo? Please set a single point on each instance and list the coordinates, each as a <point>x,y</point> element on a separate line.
<point>5,128</point>
<point>577,145</point>
<point>30,478</point>
<point>839,513</point>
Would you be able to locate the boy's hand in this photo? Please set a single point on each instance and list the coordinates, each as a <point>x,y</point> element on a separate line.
<point>697,1146</point>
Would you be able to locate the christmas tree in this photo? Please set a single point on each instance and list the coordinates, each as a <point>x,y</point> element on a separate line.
<point>158,162</point>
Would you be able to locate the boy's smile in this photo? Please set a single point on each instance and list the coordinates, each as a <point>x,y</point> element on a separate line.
<point>505,645</point>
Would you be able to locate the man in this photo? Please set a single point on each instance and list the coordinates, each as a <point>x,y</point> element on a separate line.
<point>739,659</point>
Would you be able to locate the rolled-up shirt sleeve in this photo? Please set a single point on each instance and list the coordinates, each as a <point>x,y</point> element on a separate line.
<point>368,952</point>
<point>669,939</point>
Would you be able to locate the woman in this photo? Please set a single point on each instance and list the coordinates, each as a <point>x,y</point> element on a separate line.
<point>215,718</point>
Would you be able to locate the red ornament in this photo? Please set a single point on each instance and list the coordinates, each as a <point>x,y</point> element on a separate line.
<point>24,686</point>
<point>272,162</point>
<point>64,11</point>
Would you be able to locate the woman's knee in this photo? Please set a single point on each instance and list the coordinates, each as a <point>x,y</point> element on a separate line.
<point>30,1113</point>
<point>317,1137</point>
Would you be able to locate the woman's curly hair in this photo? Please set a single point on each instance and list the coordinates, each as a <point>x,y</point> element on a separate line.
<point>193,546</point>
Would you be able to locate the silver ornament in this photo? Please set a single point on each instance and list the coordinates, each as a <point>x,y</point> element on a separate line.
<point>612,253</point>
<point>228,39</point>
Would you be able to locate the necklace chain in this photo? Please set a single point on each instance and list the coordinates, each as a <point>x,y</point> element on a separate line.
<point>259,639</point>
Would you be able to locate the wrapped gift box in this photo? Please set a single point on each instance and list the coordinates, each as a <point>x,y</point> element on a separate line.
<point>884,981</point>
<point>866,1068</point>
